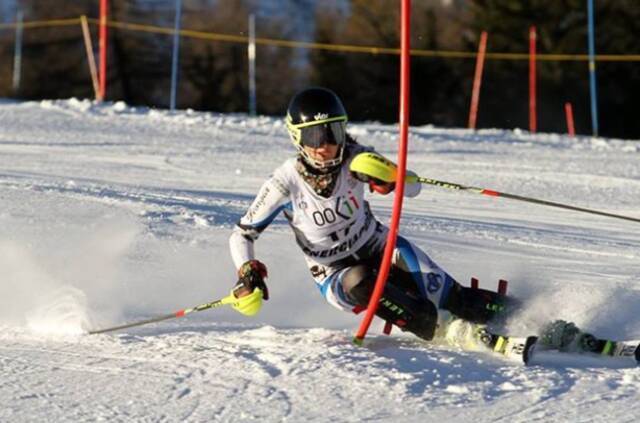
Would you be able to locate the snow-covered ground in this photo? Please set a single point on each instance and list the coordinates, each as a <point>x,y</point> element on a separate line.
<point>110,214</point>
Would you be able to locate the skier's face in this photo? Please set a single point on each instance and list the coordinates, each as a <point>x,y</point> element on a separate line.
<point>323,152</point>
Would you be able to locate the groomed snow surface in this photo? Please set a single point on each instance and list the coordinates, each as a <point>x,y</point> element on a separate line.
<point>110,214</point>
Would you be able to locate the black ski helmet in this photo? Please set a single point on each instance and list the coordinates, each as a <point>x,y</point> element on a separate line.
<point>316,116</point>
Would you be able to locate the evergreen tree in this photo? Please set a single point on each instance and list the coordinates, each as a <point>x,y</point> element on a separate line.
<point>369,83</point>
<point>215,73</point>
<point>54,62</point>
<point>561,28</point>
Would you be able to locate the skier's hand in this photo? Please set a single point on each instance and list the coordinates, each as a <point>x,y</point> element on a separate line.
<point>380,187</point>
<point>371,165</point>
<point>381,173</point>
<point>375,184</point>
<point>251,275</point>
<point>248,304</point>
<point>375,170</point>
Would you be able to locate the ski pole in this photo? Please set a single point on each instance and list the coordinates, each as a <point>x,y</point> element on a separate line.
<point>492,193</point>
<point>229,299</point>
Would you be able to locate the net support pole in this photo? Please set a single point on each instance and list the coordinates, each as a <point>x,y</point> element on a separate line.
<point>17,57</point>
<point>91,60</point>
<point>175,56</point>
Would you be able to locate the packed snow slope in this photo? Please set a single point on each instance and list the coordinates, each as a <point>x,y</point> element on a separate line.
<point>111,214</point>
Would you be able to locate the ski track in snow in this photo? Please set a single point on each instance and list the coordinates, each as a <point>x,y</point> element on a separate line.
<point>112,213</point>
<point>202,372</point>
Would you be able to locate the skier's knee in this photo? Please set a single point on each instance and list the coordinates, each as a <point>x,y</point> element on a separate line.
<point>358,283</point>
<point>396,305</point>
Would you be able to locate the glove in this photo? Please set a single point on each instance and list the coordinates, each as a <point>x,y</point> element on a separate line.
<point>375,184</point>
<point>251,276</point>
<point>381,187</point>
<point>249,304</point>
<point>380,173</point>
<point>373,169</point>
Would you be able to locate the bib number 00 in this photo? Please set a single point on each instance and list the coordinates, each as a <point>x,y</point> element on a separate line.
<point>321,218</point>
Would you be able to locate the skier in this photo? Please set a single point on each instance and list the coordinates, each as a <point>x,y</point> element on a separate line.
<point>342,242</point>
<point>321,194</point>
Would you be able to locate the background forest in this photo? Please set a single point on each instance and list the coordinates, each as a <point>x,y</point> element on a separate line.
<point>213,74</point>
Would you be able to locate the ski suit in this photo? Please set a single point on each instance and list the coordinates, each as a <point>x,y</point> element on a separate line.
<point>336,233</point>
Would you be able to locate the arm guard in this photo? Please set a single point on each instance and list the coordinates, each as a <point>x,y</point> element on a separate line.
<point>372,168</point>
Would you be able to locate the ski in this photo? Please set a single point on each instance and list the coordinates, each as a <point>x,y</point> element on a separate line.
<point>567,340</point>
<point>629,349</point>
<point>510,347</point>
<point>594,347</point>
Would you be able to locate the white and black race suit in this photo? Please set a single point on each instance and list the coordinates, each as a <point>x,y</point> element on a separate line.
<point>334,233</point>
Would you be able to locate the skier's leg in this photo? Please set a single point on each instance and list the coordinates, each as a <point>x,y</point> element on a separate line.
<point>478,305</point>
<point>407,312</point>
<point>430,281</point>
<point>331,289</point>
<point>436,285</point>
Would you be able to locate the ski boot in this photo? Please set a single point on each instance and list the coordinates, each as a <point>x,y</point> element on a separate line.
<point>461,333</point>
<point>567,337</point>
<point>479,305</point>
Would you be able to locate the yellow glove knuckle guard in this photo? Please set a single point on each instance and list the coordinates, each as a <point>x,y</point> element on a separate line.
<point>375,166</point>
<point>249,305</point>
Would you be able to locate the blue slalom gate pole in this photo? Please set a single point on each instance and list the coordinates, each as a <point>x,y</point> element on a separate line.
<point>176,53</point>
<point>592,69</point>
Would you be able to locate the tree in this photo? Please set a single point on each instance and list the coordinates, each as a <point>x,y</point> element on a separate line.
<point>54,61</point>
<point>562,28</point>
<point>212,73</point>
<point>370,83</point>
<point>139,61</point>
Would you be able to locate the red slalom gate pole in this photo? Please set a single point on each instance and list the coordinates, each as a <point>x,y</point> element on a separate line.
<point>104,7</point>
<point>568,111</point>
<point>533,118</point>
<point>405,61</point>
<point>477,80</point>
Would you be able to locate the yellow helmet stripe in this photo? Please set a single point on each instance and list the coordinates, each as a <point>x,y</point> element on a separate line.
<point>342,118</point>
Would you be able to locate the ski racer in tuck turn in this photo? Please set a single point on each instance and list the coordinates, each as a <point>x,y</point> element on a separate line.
<point>321,194</point>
